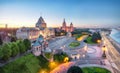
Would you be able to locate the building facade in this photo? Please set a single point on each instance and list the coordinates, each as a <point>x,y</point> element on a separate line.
<point>34,32</point>
<point>44,31</point>
<point>39,46</point>
<point>27,33</point>
<point>67,28</point>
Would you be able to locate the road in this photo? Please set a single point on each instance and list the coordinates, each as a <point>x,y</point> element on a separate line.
<point>63,68</point>
<point>88,59</point>
<point>112,54</point>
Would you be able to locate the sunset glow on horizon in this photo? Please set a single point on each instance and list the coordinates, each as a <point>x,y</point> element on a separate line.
<point>19,13</point>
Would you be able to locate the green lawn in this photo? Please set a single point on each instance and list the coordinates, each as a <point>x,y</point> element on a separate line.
<point>89,40</point>
<point>74,44</point>
<point>95,70</point>
<point>26,64</point>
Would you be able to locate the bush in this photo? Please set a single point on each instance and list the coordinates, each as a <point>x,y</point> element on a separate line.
<point>96,36</point>
<point>74,69</point>
<point>43,62</point>
<point>27,43</point>
<point>48,55</point>
<point>59,57</point>
<point>95,70</point>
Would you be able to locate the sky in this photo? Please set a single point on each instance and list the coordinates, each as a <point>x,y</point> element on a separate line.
<point>18,13</point>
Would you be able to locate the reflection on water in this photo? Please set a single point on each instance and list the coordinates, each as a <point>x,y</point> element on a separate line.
<point>115,34</point>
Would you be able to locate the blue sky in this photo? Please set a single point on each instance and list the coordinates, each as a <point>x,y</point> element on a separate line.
<point>80,12</point>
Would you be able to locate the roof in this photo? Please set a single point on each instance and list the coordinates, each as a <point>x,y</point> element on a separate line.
<point>39,41</point>
<point>25,29</point>
<point>40,21</point>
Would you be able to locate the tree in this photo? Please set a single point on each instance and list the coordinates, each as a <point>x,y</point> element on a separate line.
<point>96,36</point>
<point>1,53</point>
<point>6,52</point>
<point>27,43</point>
<point>13,39</point>
<point>14,48</point>
<point>59,57</point>
<point>43,62</point>
<point>21,46</point>
<point>1,42</point>
<point>74,69</point>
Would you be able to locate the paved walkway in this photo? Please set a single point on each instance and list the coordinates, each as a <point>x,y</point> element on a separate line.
<point>94,51</point>
<point>62,68</point>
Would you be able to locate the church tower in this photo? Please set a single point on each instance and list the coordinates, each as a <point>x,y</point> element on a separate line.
<point>41,23</point>
<point>64,25</point>
<point>71,27</point>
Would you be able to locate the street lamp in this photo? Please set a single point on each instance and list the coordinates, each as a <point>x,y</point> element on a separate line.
<point>66,59</point>
<point>104,49</point>
<point>98,41</point>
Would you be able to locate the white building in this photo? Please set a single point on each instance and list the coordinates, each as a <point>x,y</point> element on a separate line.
<point>33,33</point>
<point>27,33</point>
<point>44,31</point>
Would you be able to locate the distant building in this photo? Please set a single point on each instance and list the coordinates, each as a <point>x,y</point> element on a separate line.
<point>67,28</point>
<point>41,23</point>
<point>44,31</point>
<point>5,37</point>
<point>27,33</point>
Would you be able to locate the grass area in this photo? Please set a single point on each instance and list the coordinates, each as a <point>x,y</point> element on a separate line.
<point>89,40</point>
<point>26,64</point>
<point>95,70</point>
<point>48,55</point>
<point>74,44</point>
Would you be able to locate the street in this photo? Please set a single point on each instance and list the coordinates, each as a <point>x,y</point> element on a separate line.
<point>112,54</point>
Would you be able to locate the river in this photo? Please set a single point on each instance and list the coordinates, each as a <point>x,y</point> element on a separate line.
<point>115,34</point>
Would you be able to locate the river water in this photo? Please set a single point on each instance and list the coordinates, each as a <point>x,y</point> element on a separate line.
<point>115,34</point>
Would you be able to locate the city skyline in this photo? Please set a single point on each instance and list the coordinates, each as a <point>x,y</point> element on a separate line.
<point>20,13</point>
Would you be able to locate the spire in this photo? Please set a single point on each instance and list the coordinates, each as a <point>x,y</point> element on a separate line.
<point>64,19</point>
<point>71,24</point>
<point>64,23</point>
